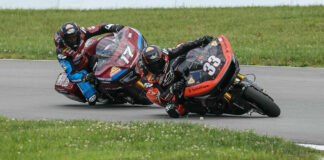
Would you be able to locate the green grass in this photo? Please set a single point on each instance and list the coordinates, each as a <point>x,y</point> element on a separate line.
<point>138,140</point>
<point>289,36</point>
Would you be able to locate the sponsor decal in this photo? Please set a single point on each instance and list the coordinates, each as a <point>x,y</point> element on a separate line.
<point>198,88</point>
<point>68,26</point>
<point>68,50</point>
<point>130,35</point>
<point>114,70</point>
<point>61,56</point>
<point>148,85</point>
<point>71,31</point>
<point>108,26</point>
<point>191,80</point>
<point>62,80</point>
<point>149,49</point>
<point>213,43</point>
<point>150,77</point>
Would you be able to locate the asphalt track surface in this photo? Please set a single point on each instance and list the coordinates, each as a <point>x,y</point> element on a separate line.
<point>27,92</point>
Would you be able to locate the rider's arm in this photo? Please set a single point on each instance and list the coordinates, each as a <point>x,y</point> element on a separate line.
<point>101,29</point>
<point>182,49</point>
<point>73,75</point>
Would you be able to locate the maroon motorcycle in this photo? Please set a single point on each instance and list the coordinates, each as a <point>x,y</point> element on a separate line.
<point>118,78</point>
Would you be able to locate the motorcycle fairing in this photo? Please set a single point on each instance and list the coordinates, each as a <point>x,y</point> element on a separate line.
<point>120,51</point>
<point>202,77</point>
<point>66,87</point>
<point>91,44</point>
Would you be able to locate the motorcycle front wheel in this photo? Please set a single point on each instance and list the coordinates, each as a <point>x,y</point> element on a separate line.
<point>262,101</point>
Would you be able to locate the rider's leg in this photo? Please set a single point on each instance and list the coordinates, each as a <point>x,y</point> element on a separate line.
<point>88,91</point>
<point>175,108</point>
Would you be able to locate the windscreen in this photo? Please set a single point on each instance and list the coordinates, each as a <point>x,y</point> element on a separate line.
<point>118,53</point>
<point>204,64</point>
<point>106,48</point>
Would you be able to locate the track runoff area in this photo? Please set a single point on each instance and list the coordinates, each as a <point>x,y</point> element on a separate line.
<point>52,68</point>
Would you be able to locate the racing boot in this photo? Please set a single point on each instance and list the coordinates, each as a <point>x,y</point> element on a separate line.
<point>175,111</point>
<point>92,100</point>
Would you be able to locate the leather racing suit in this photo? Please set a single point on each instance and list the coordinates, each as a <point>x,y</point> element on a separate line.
<point>162,87</point>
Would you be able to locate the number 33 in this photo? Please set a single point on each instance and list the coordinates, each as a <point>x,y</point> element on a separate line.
<point>211,65</point>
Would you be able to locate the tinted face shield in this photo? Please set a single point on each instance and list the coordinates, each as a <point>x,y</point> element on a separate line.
<point>156,67</point>
<point>73,40</point>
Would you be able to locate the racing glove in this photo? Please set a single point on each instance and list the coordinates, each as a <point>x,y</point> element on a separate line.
<point>178,87</point>
<point>118,27</point>
<point>114,27</point>
<point>206,40</point>
<point>89,77</point>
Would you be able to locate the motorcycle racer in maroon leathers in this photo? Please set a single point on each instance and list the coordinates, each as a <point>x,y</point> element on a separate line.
<point>160,68</point>
<point>70,41</point>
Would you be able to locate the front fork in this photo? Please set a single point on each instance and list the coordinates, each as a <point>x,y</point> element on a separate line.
<point>228,96</point>
<point>140,85</point>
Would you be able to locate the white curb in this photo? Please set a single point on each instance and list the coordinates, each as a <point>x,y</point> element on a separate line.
<point>317,147</point>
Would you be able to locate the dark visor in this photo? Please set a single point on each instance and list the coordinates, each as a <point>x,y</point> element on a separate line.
<point>156,67</point>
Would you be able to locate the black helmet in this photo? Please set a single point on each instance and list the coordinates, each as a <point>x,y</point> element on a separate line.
<point>153,59</point>
<point>71,35</point>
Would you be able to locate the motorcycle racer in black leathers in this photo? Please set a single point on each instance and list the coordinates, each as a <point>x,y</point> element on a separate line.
<point>160,69</point>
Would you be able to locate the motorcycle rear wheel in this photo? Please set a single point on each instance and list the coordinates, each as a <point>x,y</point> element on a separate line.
<point>262,101</point>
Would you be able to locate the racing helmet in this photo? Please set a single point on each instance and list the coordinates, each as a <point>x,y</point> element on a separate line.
<point>71,35</point>
<point>153,59</point>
